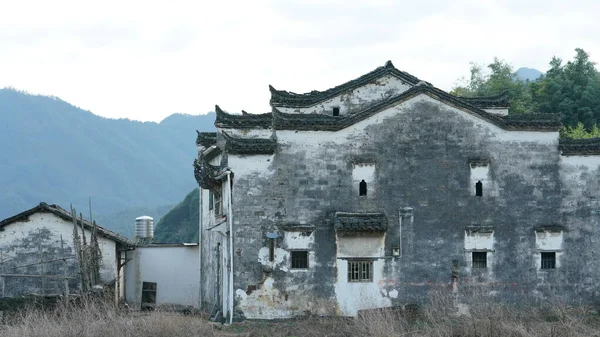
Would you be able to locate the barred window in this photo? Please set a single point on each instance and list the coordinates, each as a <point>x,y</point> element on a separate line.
<point>299,259</point>
<point>549,260</point>
<point>479,259</point>
<point>360,271</point>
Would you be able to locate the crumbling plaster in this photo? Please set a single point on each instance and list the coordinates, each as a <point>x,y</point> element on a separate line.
<point>421,150</point>
<point>20,245</point>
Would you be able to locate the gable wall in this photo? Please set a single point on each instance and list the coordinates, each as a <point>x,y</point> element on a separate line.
<point>20,245</point>
<point>357,99</point>
<point>421,149</point>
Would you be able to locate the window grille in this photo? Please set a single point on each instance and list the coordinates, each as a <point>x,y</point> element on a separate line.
<point>549,260</point>
<point>299,259</point>
<point>360,271</point>
<point>479,259</point>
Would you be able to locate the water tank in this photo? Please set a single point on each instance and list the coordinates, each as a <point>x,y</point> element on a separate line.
<point>144,227</point>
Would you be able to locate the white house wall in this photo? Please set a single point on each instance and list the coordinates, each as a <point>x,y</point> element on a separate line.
<point>20,245</point>
<point>174,269</point>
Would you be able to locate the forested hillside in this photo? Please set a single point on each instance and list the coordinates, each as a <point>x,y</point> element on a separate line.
<point>181,223</point>
<point>55,152</point>
<point>571,89</point>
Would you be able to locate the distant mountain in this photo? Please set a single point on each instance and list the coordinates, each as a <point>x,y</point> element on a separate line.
<point>528,74</point>
<point>181,223</point>
<point>55,152</point>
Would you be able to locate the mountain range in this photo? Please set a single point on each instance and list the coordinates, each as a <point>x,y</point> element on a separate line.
<point>58,153</point>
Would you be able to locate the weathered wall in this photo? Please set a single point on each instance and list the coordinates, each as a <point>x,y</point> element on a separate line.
<point>421,151</point>
<point>20,244</point>
<point>357,99</point>
<point>174,269</point>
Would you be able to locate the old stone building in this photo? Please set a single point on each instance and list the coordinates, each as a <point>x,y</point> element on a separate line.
<point>39,255</point>
<point>374,192</point>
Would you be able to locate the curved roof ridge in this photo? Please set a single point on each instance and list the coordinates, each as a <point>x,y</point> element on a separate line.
<point>245,120</point>
<point>320,122</point>
<point>292,99</point>
<point>239,145</point>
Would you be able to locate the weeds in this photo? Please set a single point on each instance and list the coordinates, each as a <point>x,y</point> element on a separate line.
<point>438,317</point>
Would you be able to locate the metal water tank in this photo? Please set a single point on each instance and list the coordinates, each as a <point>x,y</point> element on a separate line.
<point>144,227</point>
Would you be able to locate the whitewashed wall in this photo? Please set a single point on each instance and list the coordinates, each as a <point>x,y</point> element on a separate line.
<point>174,269</point>
<point>19,241</point>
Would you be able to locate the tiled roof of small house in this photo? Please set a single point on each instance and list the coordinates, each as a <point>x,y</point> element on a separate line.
<point>282,98</point>
<point>206,139</point>
<point>64,214</point>
<point>500,100</point>
<point>360,222</point>
<point>245,120</point>
<point>237,145</point>
<point>579,147</point>
<point>321,122</point>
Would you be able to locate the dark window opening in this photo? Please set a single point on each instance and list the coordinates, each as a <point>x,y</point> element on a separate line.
<point>271,250</point>
<point>148,295</point>
<point>479,189</point>
<point>336,111</point>
<point>549,260</point>
<point>299,259</point>
<point>362,188</point>
<point>217,202</point>
<point>479,259</point>
<point>360,271</point>
<point>210,200</point>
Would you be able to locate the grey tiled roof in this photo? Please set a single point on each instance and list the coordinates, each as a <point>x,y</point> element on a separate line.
<point>320,122</point>
<point>206,139</point>
<point>282,98</point>
<point>499,101</point>
<point>581,147</point>
<point>243,121</point>
<point>360,222</point>
<point>236,145</point>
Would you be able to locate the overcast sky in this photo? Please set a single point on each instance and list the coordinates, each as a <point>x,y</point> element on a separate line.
<point>145,60</point>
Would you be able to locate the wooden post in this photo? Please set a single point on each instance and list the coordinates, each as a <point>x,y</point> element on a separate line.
<point>65,267</point>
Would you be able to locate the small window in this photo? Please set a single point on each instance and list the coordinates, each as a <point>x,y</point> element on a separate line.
<point>549,260</point>
<point>479,189</point>
<point>479,259</point>
<point>336,111</point>
<point>360,271</point>
<point>362,188</point>
<point>299,259</point>
<point>217,202</point>
<point>210,200</point>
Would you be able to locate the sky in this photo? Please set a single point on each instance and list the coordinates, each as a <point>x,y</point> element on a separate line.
<point>145,60</point>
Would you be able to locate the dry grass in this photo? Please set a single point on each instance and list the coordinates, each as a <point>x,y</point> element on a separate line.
<point>437,318</point>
